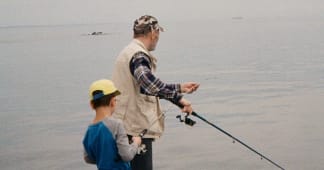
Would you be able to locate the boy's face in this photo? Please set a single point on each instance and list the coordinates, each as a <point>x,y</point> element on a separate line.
<point>113,103</point>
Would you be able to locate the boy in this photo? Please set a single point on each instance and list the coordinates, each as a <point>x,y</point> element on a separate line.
<point>105,142</point>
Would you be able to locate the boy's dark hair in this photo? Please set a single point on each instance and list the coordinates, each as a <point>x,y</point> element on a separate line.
<point>102,101</point>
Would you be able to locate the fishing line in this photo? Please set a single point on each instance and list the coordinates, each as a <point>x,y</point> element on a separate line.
<point>231,136</point>
<point>142,148</point>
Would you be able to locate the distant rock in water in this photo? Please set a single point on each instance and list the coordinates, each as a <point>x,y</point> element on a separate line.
<point>237,18</point>
<point>96,33</point>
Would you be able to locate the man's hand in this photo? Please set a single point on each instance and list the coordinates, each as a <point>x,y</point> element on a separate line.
<point>189,87</point>
<point>186,106</point>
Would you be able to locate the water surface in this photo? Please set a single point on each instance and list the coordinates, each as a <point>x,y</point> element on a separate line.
<point>261,80</point>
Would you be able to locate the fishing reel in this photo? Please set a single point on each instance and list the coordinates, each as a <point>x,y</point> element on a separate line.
<point>141,149</point>
<point>186,120</point>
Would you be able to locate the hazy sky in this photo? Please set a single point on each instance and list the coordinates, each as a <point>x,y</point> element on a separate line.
<point>43,12</point>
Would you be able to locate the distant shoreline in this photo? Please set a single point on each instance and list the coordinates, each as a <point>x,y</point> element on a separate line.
<point>53,25</point>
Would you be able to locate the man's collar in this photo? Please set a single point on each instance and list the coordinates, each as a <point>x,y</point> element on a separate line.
<point>140,43</point>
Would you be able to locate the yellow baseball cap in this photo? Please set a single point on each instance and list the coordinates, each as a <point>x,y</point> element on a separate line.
<point>104,86</point>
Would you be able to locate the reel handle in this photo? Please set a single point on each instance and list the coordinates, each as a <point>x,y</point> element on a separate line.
<point>186,120</point>
<point>143,133</point>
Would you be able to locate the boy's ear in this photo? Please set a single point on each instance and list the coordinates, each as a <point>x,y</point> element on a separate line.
<point>91,105</point>
<point>112,102</point>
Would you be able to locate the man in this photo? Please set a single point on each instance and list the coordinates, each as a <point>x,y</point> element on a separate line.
<point>138,105</point>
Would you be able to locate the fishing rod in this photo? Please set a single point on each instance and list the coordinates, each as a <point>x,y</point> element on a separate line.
<point>142,148</point>
<point>145,130</point>
<point>190,122</point>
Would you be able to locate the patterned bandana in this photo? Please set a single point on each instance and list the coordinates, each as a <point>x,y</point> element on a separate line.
<point>145,24</point>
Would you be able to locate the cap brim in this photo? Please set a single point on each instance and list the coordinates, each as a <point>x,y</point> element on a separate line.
<point>117,92</point>
<point>159,27</point>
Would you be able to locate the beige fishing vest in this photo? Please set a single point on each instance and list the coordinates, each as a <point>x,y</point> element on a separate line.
<point>138,111</point>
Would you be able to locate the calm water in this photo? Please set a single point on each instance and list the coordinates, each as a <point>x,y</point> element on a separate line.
<point>261,80</point>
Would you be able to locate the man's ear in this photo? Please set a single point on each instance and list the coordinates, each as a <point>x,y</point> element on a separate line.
<point>154,34</point>
<point>151,35</point>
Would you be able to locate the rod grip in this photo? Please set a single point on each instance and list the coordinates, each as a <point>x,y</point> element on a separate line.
<point>181,106</point>
<point>143,133</point>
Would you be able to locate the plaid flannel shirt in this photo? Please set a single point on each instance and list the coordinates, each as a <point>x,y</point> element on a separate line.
<point>149,83</point>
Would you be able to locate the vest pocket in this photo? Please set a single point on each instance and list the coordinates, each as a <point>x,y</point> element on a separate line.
<point>147,106</point>
<point>146,98</point>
